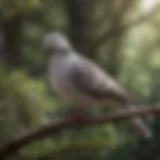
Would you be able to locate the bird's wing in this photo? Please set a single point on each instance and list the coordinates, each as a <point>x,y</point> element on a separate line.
<point>92,81</point>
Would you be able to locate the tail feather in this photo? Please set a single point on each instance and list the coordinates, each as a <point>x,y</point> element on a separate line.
<point>142,128</point>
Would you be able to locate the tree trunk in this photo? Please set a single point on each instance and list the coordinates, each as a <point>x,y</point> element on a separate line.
<point>13,40</point>
<point>80,13</point>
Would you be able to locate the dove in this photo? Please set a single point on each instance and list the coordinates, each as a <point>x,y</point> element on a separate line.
<point>80,81</point>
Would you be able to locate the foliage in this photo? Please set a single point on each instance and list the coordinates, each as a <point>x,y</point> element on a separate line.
<point>23,102</point>
<point>10,8</point>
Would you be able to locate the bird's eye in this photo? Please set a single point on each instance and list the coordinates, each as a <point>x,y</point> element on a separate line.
<point>63,50</point>
<point>50,51</point>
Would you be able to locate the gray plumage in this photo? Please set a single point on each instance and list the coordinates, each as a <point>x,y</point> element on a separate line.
<point>79,81</point>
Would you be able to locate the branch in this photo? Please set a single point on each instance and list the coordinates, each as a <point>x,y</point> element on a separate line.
<point>120,12</point>
<point>112,33</point>
<point>54,128</point>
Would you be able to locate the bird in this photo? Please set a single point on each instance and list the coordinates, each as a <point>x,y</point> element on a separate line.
<point>80,81</point>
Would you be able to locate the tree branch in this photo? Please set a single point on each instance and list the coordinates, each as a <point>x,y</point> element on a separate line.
<point>112,33</point>
<point>54,128</point>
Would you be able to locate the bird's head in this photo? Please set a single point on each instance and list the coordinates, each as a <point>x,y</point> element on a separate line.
<point>56,43</point>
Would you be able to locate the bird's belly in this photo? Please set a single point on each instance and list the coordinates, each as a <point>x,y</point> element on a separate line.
<point>67,93</point>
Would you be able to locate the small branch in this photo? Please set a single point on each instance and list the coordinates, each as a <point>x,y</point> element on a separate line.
<point>54,128</point>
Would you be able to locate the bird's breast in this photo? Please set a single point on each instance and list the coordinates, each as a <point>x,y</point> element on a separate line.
<point>58,78</point>
<point>60,81</point>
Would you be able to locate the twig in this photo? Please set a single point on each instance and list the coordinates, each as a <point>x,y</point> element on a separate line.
<point>54,128</point>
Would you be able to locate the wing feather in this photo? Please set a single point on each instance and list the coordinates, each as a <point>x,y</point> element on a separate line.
<point>92,82</point>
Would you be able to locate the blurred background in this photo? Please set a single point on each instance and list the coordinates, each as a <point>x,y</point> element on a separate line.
<point>122,36</point>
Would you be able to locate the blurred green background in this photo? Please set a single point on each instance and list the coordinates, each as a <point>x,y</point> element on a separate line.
<point>123,36</point>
